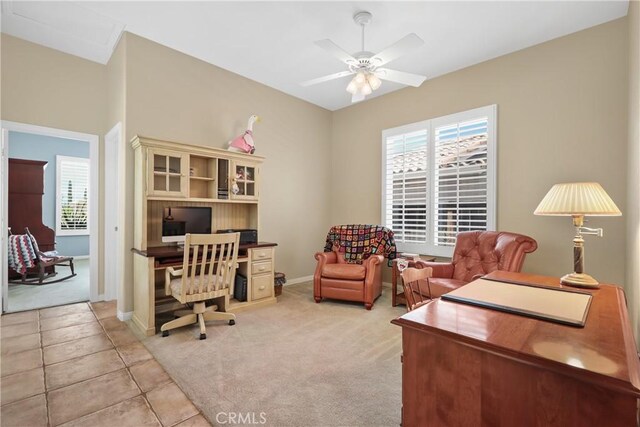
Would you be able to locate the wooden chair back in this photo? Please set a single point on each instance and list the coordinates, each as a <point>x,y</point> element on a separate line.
<point>411,278</point>
<point>209,265</point>
<point>36,248</point>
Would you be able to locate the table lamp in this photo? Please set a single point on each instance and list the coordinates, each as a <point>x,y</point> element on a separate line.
<point>577,200</point>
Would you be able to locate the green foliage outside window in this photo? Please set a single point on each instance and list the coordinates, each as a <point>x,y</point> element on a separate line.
<point>74,213</point>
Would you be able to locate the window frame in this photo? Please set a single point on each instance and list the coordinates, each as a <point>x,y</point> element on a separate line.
<point>491,113</point>
<point>59,190</point>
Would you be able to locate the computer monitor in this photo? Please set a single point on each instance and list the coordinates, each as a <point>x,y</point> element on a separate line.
<point>176,222</point>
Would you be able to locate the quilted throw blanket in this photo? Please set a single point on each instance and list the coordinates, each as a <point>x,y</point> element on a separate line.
<point>358,241</point>
<point>21,253</point>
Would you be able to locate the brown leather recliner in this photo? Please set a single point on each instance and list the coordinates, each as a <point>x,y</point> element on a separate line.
<point>478,253</point>
<point>335,278</point>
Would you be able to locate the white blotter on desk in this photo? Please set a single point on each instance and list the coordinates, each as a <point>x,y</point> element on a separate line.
<point>559,305</point>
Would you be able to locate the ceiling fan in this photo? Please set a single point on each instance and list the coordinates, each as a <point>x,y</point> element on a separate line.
<point>366,65</point>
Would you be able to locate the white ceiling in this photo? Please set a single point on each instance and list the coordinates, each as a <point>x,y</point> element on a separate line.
<point>272,42</point>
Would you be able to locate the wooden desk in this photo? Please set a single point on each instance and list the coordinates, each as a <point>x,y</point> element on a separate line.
<point>469,366</point>
<point>255,261</point>
<point>166,256</point>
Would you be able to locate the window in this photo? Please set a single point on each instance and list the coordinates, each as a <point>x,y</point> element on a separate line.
<point>72,201</point>
<point>438,179</point>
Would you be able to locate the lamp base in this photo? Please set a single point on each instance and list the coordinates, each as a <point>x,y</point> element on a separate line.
<point>580,280</point>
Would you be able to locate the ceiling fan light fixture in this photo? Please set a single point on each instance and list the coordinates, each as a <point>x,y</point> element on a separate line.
<point>365,89</point>
<point>352,87</point>
<point>374,81</point>
<point>360,78</point>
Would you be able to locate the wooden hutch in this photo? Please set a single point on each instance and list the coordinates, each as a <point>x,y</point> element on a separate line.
<point>169,174</point>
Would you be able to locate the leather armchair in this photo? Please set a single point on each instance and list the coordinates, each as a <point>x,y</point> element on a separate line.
<point>335,278</point>
<point>478,253</point>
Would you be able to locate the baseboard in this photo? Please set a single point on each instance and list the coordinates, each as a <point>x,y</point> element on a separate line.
<point>386,285</point>
<point>125,316</point>
<point>298,280</point>
<point>140,326</point>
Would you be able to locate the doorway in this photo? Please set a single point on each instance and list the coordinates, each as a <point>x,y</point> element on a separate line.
<point>63,217</point>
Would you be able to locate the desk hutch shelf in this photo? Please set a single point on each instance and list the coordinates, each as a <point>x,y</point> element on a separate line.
<point>170,174</point>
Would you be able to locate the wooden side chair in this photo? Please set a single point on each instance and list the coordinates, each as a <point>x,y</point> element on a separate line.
<point>208,271</point>
<point>414,293</point>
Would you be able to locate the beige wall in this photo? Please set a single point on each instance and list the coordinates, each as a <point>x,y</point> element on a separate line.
<point>633,190</point>
<point>116,85</point>
<point>44,87</point>
<point>177,97</point>
<point>562,116</point>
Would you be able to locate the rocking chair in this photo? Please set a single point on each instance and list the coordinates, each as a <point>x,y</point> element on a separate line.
<point>41,261</point>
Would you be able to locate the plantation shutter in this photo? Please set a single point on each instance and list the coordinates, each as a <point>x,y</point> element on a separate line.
<point>406,186</point>
<point>439,179</point>
<point>460,180</point>
<point>73,195</point>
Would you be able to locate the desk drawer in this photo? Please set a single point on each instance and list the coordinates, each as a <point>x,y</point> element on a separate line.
<point>261,253</point>
<point>261,267</point>
<point>261,286</point>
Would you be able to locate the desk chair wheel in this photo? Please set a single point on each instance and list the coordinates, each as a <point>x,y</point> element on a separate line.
<point>165,334</point>
<point>232,322</point>
<point>203,336</point>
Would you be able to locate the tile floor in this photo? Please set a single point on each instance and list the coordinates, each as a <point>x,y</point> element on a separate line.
<point>78,365</point>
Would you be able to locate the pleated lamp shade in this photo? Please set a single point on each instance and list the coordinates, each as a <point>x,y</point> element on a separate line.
<point>577,198</point>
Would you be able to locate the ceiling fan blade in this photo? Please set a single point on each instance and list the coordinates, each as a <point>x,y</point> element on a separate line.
<point>336,51</point>
<point>357,97</point>
<point>396,50</point>
<point>326,78</point>
<point>400,77</point>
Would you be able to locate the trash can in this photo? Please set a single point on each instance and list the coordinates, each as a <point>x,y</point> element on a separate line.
<point>278,280</point>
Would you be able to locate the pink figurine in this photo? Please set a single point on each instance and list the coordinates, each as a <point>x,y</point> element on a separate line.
<point>244,143</point>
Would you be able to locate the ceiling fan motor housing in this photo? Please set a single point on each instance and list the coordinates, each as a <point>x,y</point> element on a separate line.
<point>363,18</point>
<point>363,62</point>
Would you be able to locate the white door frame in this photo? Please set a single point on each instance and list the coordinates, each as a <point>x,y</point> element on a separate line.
<point>94,206</point>
<point>113,217</point>
<point>4,213</point>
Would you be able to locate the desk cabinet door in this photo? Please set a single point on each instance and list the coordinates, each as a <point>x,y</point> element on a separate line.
<point>167,173</point>
<point>244,179</point>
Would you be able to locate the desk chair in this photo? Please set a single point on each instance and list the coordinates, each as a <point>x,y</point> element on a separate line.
<point>412,279</point>
<point>208,270</point>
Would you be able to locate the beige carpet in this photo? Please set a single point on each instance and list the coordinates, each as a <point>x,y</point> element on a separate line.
<point>297,362</point>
